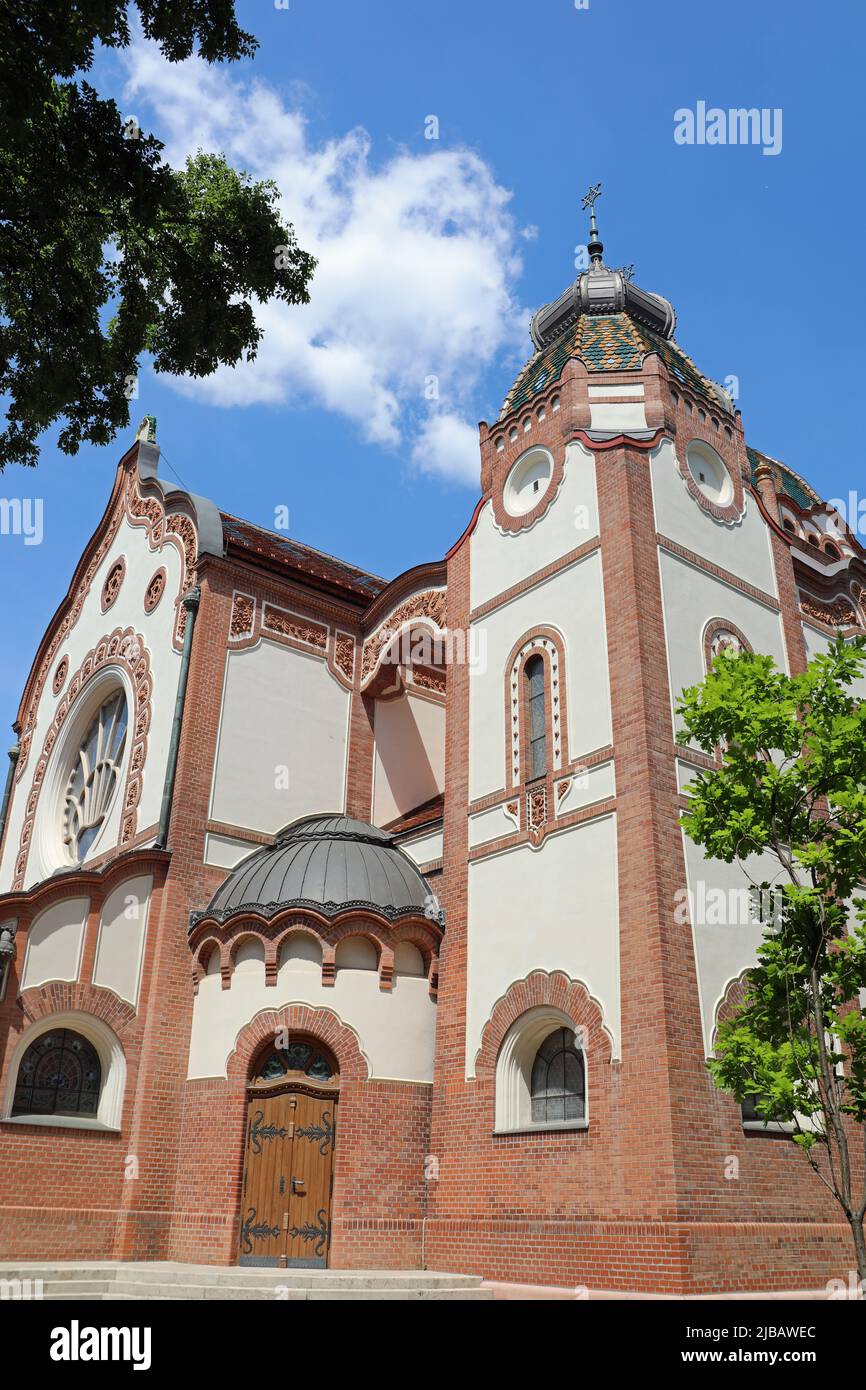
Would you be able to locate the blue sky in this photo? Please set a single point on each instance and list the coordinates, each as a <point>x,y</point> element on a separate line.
<point>433,253</point>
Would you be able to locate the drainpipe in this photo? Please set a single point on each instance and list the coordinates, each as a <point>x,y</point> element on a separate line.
<point>190,602</point>
<point>7,790</point>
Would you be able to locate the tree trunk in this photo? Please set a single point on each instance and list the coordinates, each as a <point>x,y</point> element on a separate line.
<point>860,1250</point>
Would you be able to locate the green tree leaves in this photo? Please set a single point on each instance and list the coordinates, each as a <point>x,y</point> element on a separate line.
<point>105,251</point>
<point>791,785</point>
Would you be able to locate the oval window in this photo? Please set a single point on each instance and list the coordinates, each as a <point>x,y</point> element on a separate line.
<point>528,481</point>
<point>710,473</point>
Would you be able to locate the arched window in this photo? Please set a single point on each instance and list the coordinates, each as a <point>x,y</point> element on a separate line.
<point>93,777</point>
<point>537,723</point>
<point>541,1074</point>
<point>60,1074</point>
<point>558,1083</point>
<point>298,1057</point>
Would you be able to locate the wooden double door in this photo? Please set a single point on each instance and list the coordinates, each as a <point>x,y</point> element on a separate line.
<point>288,1177</point>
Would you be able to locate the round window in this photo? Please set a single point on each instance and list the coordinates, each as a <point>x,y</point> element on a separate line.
<point>93,777</point>
<point>528,481</point>
<point>710,473</point>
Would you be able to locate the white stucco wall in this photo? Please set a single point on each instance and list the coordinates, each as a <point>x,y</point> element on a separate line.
<point>742,548</point>
<point>725,940</point>
<point>690,599</point>
<point>500,559</point>
<point>573,602</point>
<point>552,908</point>
<point>409,764</point>
<point>395,1029</point>
<point>54,943</point>
<point>284,720</point>
<point>816,642</point>
<point>426,848</point>
<point>121,940</point>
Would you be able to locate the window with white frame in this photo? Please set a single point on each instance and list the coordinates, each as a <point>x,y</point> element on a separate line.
<point>69,1071</point>
<point>541,1074</point>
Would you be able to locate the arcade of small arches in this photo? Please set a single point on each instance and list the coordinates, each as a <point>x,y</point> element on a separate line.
<point>308,943</point>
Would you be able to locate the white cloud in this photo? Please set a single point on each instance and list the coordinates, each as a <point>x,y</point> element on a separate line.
<point>417,264</point>
<point>446,444</point>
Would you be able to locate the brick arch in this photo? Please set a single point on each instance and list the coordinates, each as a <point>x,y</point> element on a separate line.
<point>557,990</point>
<point>712,630</point>
<point>61,996</point>
<point>417,935</point>
<point>234,944</point>
<point>295,927</point>
<point>729,1001</point>
<point>322,1024</point>
<point>359,926</point>
<point>200,960</point>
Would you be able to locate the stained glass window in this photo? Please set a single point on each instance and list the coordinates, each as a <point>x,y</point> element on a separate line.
<point>60,1074</point>
<point>534,672</point>
<point>296,1056</point>
<point>94,776</point>
<point>558,1083</point>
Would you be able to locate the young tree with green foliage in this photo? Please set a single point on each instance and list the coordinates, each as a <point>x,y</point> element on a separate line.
<point>792,787</point>
<point>106,252</point>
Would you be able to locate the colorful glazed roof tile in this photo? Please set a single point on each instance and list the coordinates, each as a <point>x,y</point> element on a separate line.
<point>609,343</point>
<point>786,480</point>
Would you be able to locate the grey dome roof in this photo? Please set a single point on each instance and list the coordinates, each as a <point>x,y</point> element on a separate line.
<point>327,863</point>
<point>601,291</point>
<point>598,290</point>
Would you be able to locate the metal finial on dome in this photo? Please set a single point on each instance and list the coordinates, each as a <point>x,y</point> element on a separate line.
<point>594,246</point>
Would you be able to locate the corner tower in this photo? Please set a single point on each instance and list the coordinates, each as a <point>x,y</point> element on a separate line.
<point>617,543</point>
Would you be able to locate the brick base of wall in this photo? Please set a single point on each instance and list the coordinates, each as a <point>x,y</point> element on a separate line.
<point>651,1257</point>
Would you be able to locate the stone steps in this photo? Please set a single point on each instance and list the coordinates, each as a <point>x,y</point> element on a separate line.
<point>91,1281</point>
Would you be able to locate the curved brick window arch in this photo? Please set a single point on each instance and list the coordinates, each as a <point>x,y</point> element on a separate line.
<point>69,1069</point>
<point>721,635</point>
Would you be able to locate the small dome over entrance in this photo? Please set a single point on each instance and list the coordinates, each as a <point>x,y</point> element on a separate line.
<point>328,863</point>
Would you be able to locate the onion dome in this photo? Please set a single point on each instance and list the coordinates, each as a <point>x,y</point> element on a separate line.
<point>601,291</point>
<point>611,325</point>
<point>327,863</point>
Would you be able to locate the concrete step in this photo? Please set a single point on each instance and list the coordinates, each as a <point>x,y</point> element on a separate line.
<point>294,1278</point>
<point>89,1281</point>
<point>230,1292</point>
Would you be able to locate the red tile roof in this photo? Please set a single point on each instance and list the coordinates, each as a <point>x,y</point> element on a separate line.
<point>274,550</point>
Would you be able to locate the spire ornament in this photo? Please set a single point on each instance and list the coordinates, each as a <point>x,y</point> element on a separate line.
<point>594,246</point>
